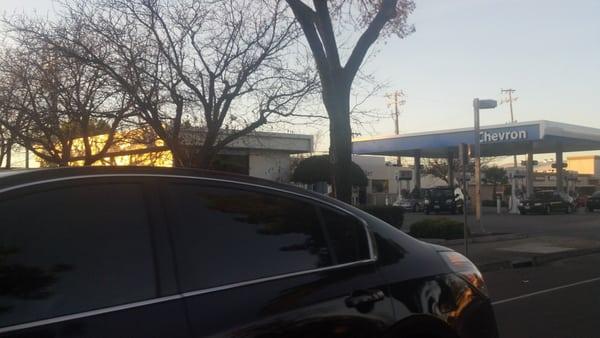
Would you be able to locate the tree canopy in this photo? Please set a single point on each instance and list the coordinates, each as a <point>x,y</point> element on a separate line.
<point>319,169</point>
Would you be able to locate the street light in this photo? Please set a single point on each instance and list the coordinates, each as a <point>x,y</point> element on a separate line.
<point>477,105</point>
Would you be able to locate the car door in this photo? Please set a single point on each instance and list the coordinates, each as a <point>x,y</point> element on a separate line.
<point>80,258</point>
<point>254,262</point>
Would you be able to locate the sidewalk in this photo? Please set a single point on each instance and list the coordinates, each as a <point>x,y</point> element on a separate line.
<point>506,254</point>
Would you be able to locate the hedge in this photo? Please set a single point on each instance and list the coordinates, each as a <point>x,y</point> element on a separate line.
<point>389,214</point>
<point>443,228</point>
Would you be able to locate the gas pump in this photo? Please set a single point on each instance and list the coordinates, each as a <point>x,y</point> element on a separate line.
<point>516,178</point>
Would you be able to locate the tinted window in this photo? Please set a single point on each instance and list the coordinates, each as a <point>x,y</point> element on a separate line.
<point>596,194</point>
<point>441,194</point>
<point>227,235</point>
<point>73,249</point>
<point>347,235</point>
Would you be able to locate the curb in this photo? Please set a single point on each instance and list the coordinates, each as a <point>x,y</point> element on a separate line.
<point>481,239</point>
<point>535,260</point>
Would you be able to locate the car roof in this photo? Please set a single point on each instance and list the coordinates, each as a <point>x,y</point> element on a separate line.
<point>12,178</point>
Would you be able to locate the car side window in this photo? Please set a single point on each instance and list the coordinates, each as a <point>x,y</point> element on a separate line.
<point>73,249</point>
<point>226,235</point>
<point>347,235</point>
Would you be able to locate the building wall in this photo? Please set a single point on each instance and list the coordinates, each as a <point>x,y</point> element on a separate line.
<point>271,165</point>
<point>589,165</point>
<point>376,169</point>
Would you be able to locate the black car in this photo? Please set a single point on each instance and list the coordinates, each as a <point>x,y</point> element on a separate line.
<point>546,202</point>
<point>593,202</point>
<point>142,252</point>
<point>445,199</point>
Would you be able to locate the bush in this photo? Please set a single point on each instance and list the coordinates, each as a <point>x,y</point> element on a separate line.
<point>443,228</point>
<point>389,214</point>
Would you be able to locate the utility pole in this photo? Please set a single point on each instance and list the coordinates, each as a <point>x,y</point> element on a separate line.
<point>510,100</point>
<point>397,100</point>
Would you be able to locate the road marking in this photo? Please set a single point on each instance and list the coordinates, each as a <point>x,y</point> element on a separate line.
<point>546,291</point>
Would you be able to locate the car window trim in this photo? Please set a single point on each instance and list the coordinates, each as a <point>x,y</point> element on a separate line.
<point>372,253</point>
<point>55,320</point>
<point>155,298</point>
<point>90,313</point>
<point>179,296</point>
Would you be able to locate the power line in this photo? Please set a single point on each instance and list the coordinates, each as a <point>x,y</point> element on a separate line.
<point>396,100</point>
<point>510,100</point>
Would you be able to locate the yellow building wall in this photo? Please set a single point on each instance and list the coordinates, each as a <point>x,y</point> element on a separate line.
<point>583,165</point>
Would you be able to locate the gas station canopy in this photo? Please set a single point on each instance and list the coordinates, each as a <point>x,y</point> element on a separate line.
<point>535,137</point>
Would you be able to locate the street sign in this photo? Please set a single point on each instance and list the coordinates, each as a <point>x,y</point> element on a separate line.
<point>524,163</point>
<point>554,165</point>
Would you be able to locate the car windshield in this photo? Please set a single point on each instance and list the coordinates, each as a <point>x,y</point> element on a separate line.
<point>596,194</point>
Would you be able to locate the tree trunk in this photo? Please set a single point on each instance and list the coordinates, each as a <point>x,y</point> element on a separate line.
<point>8,154</point>
<point>340,148</point>
<point>203,159</point>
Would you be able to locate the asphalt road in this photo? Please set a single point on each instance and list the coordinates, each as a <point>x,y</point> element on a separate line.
<point>561,299</point>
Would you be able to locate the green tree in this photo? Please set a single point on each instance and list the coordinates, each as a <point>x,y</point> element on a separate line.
<point>319,169</point>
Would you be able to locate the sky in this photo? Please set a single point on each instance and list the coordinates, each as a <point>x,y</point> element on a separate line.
<point>547,50</point>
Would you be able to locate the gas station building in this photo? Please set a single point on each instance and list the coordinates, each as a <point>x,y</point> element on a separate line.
<point>523,138</point>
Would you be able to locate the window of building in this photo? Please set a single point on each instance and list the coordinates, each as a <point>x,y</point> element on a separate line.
<point>380,186</point>
<point>72,250</point>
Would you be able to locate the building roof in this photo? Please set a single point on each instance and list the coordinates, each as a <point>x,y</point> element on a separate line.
<point>496,140</point>
<point>257,140</point>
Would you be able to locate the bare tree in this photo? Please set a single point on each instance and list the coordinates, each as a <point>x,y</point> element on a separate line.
<point>6,144</point>
<point>56,107</point>
<point>317,20</point>
<point>223,66</point>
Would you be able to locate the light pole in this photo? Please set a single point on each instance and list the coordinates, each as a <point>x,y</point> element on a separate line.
<point>477,105</point>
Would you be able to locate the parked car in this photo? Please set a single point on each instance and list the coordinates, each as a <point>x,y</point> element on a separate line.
<point>593,202</point>
<point>443,199</point>
<point>410,204</point>
<point>547,202</point>
<point>146,252</point>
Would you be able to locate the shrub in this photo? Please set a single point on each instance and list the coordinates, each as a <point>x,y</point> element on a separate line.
<point>389,214</point>
<point>443,228</point>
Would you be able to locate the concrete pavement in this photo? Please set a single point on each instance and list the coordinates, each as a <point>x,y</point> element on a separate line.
<point>534,239</point>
